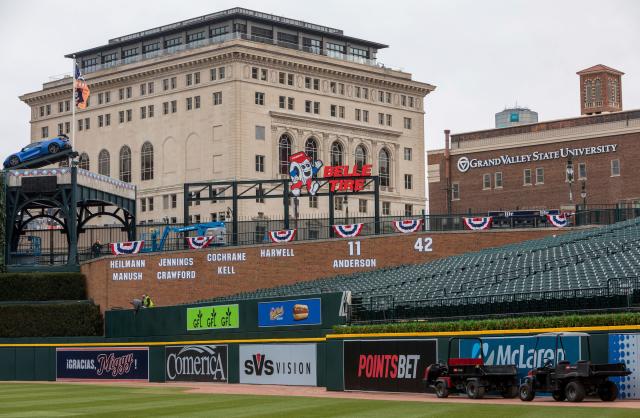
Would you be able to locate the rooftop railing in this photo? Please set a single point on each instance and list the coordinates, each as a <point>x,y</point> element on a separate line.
<point>229,37</point>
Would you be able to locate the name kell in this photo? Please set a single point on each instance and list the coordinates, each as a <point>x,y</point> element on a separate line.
<point>277,252</point>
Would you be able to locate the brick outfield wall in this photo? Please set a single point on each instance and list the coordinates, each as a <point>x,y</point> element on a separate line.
<point>204,274</point>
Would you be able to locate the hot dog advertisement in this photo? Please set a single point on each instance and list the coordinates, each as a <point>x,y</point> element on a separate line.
<point>290,313</point>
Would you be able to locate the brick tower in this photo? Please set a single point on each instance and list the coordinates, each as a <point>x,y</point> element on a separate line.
<point>600,90</point>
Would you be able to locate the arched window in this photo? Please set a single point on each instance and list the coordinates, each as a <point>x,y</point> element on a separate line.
<point>83,162</point>
<point>384,167</point>
<point>125,164</point>
<point>361,156</point>
<point>104,163</point>
<point>336,153</point>
<point>146,162</point>
<point>311,148</point>
<point>587,91</point>
<point>598,90</point>
<point>284,152</point>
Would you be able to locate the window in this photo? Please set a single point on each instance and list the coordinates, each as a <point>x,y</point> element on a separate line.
<point>384,167</point>
<point>455,191</point>
<point>307,83</point>
<point>79,124</point>
<point>313,201</point>
<point>87,124</point>
<point>615,168</point>
<point>316,84</point>
<point>341,112</point>
<point>196,78</point>
<point>67,105</point>
<point>150,110</point>
<point>582,171</point>
<point>336,153</point>
<point>129,92</point>
<point>143,90</point>
<point>338,202</point>
<point>407,123</point>
<point>104,162</point>
<point>408,210</point>
<point>260,98</point>
<point>365,93</point>
<point>381,96</point>
<point>386,208</point>
<point>290,103</point>
<point>60,128</point>
<point>362,206</point>
<point>193,37</point>
<point>358,114</point>
<point>146,161</point>
<point>165,108</point>
<point>254,72</point>
<point>316,108</point>
<point>217,98</point>
<point>41,111</point>
<point>360,156</point>
<point>282,102</point>
<point>67,127</point>
<point>403,100</point>
<point>83,161</point>
<point>100,98</point>
<point>121,94</point>
<point>284,152</point>
<point>312,45</point>
<point>125,164</point>
<point>143,205</point>
<point>334,111</point>
<point>381,118</point>
<point>408,181</point>
<point>143,112</point>
<point>196,101</point>
<point>341,88</point>
<point>259,194</point>
<point>365,116</point>
<point>212,74</point>
<point>174,82</point>
<point>100,121</point>
<point>333,86</point>
<point>222,30</point>
<point>388,120</point>
<point>189,103</point>
<point>388,97</point>
<point>189,79</point>
<point>174,106</point>
<point>498,180</point>
<point>150,88</point>
<point>410,101</point>
<point>49,109</point>
<point>107,96</point>
<point>282,77</point>
<point>165,201</point>
<point>260,131</point>
<point>408,154</point>
<point>172,42</point>
<point>290,79</point>
<point>307,106</point>
<point>151,47</point>
<point>311,148</point>
<point>174,201</point>
<point>335,50</point>
<point>540,175</point>
<point>486,181</point>
<point>44,131</point>
<point>260,163</point>
<point>107,119</point>
<point>527,177</point>
<point>150,203</point>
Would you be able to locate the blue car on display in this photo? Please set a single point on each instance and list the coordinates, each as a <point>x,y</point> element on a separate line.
<point>38,149</point>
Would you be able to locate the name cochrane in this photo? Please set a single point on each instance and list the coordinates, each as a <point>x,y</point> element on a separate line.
<point>217,257</point>
<point>277,252</point>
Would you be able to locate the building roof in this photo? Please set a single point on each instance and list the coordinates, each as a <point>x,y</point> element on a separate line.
<point>599,68</point>
<point>225,15</point>
<point>547,125</point>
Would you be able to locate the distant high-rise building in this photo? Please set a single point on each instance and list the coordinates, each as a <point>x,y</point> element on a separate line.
<point>600,90</point>
<point>515,116</point>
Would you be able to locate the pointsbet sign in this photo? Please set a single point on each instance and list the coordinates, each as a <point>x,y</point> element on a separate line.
<point>213,317</point>
<point>465,163</point>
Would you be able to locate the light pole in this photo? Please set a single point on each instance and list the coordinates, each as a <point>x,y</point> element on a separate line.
<point>583,195</point>
<point>570,178</point>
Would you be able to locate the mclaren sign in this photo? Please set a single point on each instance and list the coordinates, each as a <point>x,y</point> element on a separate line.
<point>465,163</point>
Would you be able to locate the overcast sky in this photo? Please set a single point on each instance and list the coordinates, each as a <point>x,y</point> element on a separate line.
<point>481,55</point>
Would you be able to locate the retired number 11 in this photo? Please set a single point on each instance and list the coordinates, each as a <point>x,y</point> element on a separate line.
<point>354,248</point>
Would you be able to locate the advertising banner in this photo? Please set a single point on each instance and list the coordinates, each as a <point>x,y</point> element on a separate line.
<point>213,317</point>
<point>131,363</point>
<point>387,365</point>
<point>278,364</point>
<point>625,348</point>
<point>290,313</point>
<point>196,363</point>
<point>521,351</point>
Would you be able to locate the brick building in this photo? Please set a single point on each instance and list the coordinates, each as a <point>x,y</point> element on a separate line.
<point>526,167</point>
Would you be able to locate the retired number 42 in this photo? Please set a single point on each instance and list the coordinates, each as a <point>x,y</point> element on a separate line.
<point>423,244</point>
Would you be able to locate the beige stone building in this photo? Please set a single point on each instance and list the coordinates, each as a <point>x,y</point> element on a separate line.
<point>230,96</point>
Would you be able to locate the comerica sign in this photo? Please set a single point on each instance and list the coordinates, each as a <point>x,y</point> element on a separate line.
<point>465,163</point>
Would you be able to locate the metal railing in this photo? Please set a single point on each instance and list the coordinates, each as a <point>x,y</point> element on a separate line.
<point>219,39</point>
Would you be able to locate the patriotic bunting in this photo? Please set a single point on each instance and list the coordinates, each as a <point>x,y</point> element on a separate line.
<point>476,224</point>
<point>196,243</point>
<point>407,226</point>
<point>348,231</point>
<point>559,221</point>
<point>130,247</point>
<point>285,235</point>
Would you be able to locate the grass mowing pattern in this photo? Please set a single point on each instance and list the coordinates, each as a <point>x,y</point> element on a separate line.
<point>63,400</point>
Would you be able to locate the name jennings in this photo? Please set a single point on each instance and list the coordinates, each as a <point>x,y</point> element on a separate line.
<point>542,156</point>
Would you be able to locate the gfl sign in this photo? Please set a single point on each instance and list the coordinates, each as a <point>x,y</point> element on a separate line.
<point>258,364</point>
<point>391,366</point>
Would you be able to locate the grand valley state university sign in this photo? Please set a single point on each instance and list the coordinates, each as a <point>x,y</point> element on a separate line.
<point>465,163</point>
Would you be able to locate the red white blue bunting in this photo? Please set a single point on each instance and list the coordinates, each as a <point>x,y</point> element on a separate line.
<point>407,226</point>
<point>476,224</point>
<point>196,243</point>
<point>124,248</point>
<point>559,221</point>
<point>348,230</point>
<point>285,235</point>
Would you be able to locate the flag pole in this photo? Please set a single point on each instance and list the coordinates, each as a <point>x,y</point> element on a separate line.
<point>73,104</point>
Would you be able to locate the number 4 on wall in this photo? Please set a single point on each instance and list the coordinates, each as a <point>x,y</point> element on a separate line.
<point>424,245</point>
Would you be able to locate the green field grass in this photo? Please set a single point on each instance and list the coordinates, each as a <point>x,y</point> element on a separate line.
<point>61,400</point>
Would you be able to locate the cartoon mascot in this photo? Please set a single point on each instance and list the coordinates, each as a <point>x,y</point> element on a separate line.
<point>302,171</point>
